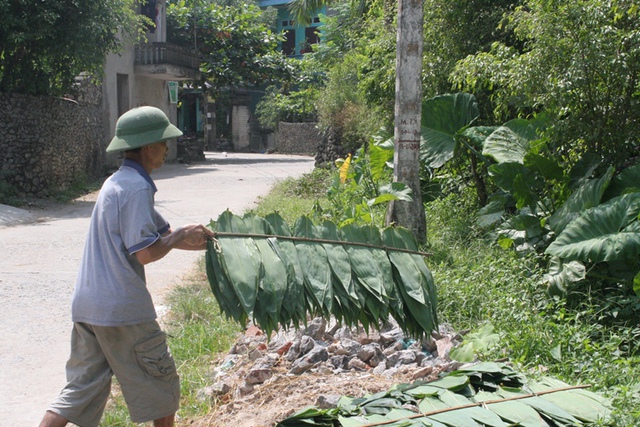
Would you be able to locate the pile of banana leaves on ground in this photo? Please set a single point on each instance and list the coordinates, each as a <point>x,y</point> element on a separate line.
<point>261,270</point>
<point>486,394</point>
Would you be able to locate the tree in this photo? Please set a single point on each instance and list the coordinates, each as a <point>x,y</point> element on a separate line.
<point>579,61</point>
<point>45,45</point>
<point>237,47</point>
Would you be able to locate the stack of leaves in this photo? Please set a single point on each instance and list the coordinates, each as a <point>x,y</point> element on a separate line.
<point>487,394</point>
<point>261,270</point>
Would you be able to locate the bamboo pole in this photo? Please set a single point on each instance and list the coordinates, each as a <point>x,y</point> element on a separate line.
<point>308,239</point>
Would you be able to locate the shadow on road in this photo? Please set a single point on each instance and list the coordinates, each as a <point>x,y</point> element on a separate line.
<point>214,159</point>
<point>255,160</point>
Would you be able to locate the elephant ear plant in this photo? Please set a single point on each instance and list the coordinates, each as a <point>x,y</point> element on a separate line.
<point>587,225</point>
<point>259,269</point>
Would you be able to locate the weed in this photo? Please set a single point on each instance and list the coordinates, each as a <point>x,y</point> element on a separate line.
<point>80,185</point>
<point>587,338</point>
<point>8,192</point>
<point>293,198</point>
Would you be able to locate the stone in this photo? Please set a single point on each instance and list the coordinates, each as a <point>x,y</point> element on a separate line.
<point>357,364</point>
<point>366,353</point>
<point>392,336</point>
<point>393,348</point>
<point>256,354</point>
<point>300,347</point>
<point>259,374</point>
<point>284,348</point>
<point>379,369</point>
<point>340,361</point>
<point>310,360</point>
<point>316,328</point>
<point>33,167</point>
<point>245,389</point>
<point>393,359</point>
<point>217,389</point>
<point>422,372</point>
<point>328,401</point>
<point>444,346</point>
<point>371,354</point>
<point>348,347</point>
<point>406,357</point>
<point>253,331</point>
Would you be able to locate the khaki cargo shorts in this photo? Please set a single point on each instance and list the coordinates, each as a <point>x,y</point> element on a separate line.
<point>139,358</point>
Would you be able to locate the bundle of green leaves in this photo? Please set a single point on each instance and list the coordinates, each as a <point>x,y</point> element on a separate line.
<point>486,394</point>
<point>259,269</point>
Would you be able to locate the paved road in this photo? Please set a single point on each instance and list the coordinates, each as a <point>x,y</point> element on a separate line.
<point>41,250</point>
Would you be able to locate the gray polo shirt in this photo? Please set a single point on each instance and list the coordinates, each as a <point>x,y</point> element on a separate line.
<point>111,289</point>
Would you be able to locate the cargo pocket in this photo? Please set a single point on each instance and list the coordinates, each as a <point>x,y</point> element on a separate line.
<point>154,357</point>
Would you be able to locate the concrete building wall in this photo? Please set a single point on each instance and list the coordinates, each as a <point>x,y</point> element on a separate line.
<point>139,90</point>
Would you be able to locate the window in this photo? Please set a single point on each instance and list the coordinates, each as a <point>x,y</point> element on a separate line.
<point>148,9</point>
<point>311,38</point>
<point>289,44</point>
<point>122,83</point>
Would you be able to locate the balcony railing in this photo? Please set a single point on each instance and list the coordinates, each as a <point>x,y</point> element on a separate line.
<point>164,53</point>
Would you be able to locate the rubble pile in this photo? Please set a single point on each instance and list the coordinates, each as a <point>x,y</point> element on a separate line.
<point>318,364</point>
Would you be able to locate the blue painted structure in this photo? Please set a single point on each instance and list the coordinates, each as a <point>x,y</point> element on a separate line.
<point>298,38</point>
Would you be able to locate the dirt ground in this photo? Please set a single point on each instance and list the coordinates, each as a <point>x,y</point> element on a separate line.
<point>285,394</point>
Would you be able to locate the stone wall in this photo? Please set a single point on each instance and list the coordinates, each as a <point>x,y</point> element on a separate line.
<point>46,143</point>
<point>298,138</point>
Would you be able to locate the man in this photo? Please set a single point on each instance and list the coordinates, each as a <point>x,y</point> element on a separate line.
<point>115,331</point>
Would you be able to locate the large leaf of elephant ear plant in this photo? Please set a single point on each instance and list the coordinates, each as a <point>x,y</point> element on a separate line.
<point>260,269</point>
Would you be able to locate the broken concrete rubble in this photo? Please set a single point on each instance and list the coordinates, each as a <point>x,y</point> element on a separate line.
<point>329,349</point>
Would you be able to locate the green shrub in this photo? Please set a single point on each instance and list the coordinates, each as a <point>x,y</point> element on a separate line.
<point>590,336</point>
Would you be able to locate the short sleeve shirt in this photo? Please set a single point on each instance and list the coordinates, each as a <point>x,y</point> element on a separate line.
<point>111,288</point>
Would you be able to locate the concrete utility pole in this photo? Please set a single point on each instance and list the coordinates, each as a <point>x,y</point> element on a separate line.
<point>408,110</point>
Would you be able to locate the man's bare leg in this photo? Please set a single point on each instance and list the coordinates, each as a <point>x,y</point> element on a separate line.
<point>51,419</point>
<point>164,422</point>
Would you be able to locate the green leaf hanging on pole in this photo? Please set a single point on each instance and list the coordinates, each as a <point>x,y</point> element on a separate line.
<point>317,273</point>
<point>272,288</point>
<point>259,270</point>
<point>346,302</point>
<point>240,262</point>
<point>294,302</point>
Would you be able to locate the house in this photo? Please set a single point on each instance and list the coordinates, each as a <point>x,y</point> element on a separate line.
<point>298,38</point>
<point>146,74</point>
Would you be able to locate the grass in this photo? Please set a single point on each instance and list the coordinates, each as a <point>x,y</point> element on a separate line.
<point>589,337</point>
<point>79,186</point>
<point>293,198</point>
<point>198,333</point>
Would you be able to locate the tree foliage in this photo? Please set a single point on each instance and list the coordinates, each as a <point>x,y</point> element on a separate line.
<point>577,60</point>
<point>45,44</point>
<point>237,45</point>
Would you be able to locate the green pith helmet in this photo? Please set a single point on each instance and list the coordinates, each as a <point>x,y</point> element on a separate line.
<point>142,126</point>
